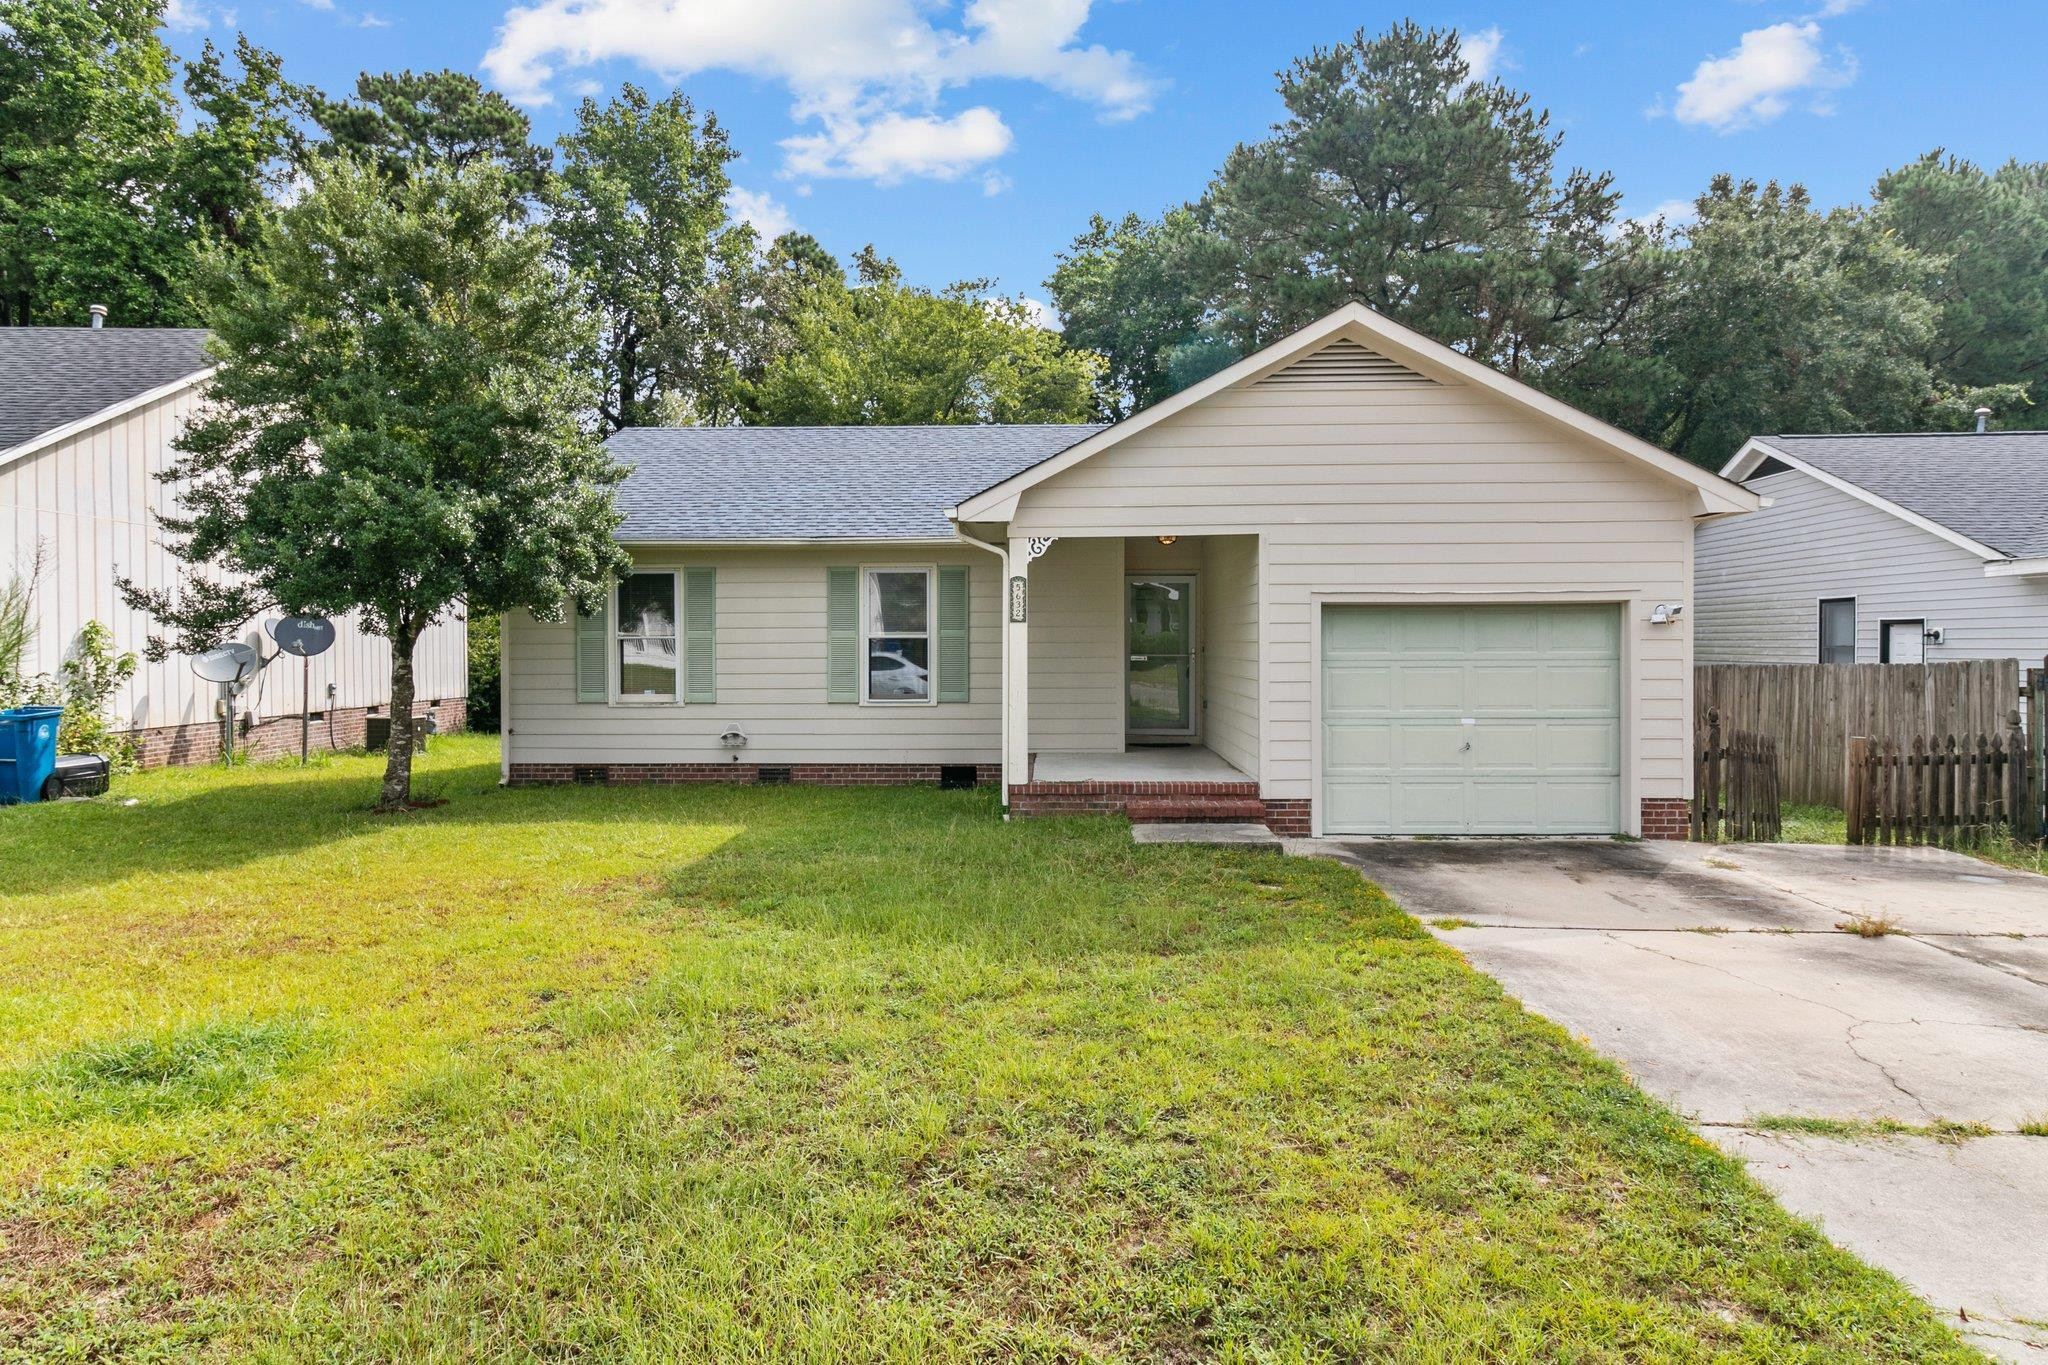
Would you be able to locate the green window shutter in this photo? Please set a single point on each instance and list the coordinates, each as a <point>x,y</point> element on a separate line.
<point>953,665</point>
<point>842,635</point>
<point>700,635</point>
<point>593,654</point>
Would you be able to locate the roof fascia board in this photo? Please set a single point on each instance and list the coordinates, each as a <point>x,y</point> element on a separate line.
<point>79,426</point>
<point>1716,494</point>
<point>787,542</point>
<point>1757,450</point>
<point>2018,568</point>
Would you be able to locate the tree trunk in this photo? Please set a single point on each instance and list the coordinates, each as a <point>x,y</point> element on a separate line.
<point>397,793</point>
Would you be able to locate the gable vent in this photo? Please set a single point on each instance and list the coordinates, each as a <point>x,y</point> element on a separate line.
<point>1346,364</point>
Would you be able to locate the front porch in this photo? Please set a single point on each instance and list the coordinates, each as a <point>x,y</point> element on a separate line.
<point>1145,783</point>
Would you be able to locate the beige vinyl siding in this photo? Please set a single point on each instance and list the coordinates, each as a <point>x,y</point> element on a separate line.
<point>90,501</point>
<point>1761,578</point>
<point>1230,649</point>
<point>1077,647</point>
<point>1401,493</point>
<point>771,675</point>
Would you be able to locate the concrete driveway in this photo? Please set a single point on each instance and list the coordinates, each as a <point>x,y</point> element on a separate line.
<point>1723,979</point>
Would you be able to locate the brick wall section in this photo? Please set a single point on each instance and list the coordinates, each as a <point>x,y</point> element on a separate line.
<point>276,737</point>
<point>800,774</point>
<point>1288,818</point>
<point>1667,817</point>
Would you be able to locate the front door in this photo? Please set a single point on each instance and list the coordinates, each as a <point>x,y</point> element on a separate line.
<point>1159,679</point>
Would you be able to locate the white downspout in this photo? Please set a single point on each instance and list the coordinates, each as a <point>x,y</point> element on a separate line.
<point>1002,553</point>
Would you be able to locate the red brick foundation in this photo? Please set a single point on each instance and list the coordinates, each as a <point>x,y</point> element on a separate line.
<point>800,774</point>
<point>1111,798</point>
<point>1288,818</point>
<point>1667,817</point>
<point>277,736</point>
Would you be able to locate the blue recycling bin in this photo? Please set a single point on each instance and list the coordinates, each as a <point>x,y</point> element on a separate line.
<point>28,751</point>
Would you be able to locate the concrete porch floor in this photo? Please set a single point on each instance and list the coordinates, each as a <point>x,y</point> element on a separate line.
<point>1151,763</point>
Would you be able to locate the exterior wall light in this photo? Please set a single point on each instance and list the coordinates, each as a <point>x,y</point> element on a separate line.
<point>1168,540</point>
<point>1665,613</point>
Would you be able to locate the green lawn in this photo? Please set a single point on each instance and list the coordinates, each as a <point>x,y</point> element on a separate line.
<point>753,1074</point>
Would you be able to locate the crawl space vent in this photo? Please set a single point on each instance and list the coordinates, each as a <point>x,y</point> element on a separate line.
<point>591,774</point>
<point>957,777</point>
<point>1343,364</point>
<point>772,777</point>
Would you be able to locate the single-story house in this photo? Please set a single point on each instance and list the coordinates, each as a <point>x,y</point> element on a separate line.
<point>87,417</point>
<point>1354,584</point>
<point>1880,549</point>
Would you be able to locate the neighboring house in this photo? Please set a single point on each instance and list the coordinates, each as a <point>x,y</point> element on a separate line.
<point>1355,583</point>
<point>1880,549</point>
<point>87,416</point>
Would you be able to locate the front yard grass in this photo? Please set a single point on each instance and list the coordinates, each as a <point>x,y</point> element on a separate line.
<point>748,1074</point>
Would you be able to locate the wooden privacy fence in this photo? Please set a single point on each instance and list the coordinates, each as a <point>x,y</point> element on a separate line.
<point>1735,785</point>
<point>1814,710</point>
<point>1945,791</point>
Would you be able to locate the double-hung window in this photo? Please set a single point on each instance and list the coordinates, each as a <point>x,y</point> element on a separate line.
<point>896,615</point>
<point>644,637</point>
<point>1838,630</point>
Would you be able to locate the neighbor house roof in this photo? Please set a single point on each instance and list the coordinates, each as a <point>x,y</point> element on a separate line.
<point>690,484</point>
<point>1988,488</point>
<point>55,377</point>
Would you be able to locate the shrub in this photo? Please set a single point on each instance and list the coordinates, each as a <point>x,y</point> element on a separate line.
<point>92,672</point>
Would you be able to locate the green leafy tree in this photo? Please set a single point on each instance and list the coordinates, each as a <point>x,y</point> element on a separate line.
<point>247,139</point>
<point>88,127</point>
<point>1989,234</point>
<point>1780,317</point>
<point>406,120</point>
<point>1396,180</point>
<point>883,352</point>
<point>639,220</point>
<point>394,428</point>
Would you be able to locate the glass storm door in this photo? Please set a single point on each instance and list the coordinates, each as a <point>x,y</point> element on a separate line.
<point>1159,679</point>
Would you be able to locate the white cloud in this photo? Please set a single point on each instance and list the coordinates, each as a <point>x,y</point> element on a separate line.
<point>764,211</point>
<point>192,16</point>
<point>1484,52</point>
<point>1039,315</point>
<point>891,147</point>
<point>1671,212</point>
<point>318,4</point>
<point>1756,82</point>
<point>1831,8</point>
<point>869,73</point>
<point>369,20</point>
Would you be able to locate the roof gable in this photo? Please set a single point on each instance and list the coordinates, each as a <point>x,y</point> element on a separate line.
<point>1392,353</point>
<point>1984,491</point>
<point>54,379</point>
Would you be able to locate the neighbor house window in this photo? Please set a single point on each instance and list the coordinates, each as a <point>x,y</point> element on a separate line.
<point>1838,630</point>
<point>646,637</point>
<point>897,611</point>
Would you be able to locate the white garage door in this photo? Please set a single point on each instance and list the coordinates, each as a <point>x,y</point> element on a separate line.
<point>1471,720</point>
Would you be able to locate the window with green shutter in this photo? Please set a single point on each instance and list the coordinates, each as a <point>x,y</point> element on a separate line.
<point>593,654</point>
<point>953,652</point>
<point>700,634</point>
<point>842,635</point>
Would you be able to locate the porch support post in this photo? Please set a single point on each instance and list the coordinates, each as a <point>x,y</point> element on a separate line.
<point>1017,667</point>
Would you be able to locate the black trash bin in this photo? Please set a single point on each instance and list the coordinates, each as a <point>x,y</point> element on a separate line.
<point>79,775</point>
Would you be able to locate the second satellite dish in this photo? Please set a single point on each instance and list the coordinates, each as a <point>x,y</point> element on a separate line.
<point>230,663</point>
<point>303,636</point>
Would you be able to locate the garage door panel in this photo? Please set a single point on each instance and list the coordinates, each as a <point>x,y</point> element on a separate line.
<point>1541,684</point>
<point>1425,688</point>
<point>1360,687</point>
<point>1588,688</point>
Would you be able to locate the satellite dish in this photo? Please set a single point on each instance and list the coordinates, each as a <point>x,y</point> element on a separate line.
<point>230,663</point>
<point>304,636</point>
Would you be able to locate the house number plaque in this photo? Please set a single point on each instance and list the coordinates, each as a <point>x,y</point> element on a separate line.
<point>1019,598</point>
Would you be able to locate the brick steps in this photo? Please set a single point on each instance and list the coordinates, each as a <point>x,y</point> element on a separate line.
<point>1230,809</point>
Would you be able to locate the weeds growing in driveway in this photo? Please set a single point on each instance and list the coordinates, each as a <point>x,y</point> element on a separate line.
<point>772,1073</point>
<point>1942,1130</point>
<point>1869,926</point>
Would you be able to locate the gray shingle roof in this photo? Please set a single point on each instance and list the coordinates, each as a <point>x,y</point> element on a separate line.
<point>51,376</point>
<point>1991,487</point>
<point>813,483</point>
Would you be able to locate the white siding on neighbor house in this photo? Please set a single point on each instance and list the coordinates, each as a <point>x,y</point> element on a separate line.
<point>1761,577</point>
<point>771,642</point>
<point>90,502</point>
<point>1400,493</point>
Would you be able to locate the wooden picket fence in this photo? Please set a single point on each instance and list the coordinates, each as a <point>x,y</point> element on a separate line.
<point>1735,786</point>
<point>1947,791</point>
<point>1814,710</point>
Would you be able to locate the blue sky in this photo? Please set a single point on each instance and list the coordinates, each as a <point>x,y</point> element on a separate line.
<point>974,138</point>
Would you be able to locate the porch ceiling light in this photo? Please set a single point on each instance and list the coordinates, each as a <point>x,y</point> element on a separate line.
<point>1168,540</point>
